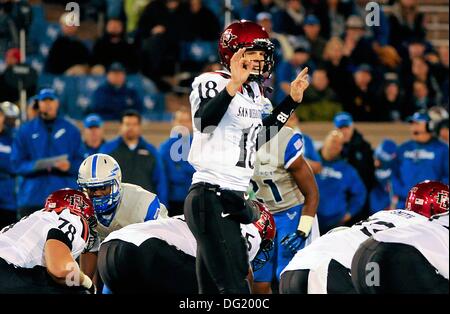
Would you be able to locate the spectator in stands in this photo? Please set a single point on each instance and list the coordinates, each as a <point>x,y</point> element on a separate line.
<point>382,196</point>
<point>389,105</point>
<point>133,11</point>
<point>47,152</point>
<point>197,16</point>
<point>68,54</point>
<point>357,152</point>
<point>319,101</point>
<point>361,101</point>
<point>357,45</point>
<point>338,67</point>
<point>12,115</point>
<point>93,134</point>
<point>113,47</point>
<point>311,28</point>
<point>114,96</point>
<point>160,30</point>
<point>389,60</point>
<point>7,180</point>
<point>288,70</point>
<point>32,108</point>
<point>444,80</point>
<point>424,157</point>
<point>340,183</point>
<point>443,131</point>
<point>8,79</point>
<point>309,152</point>
<point>406,22</point>
<point>252,10</point>
<point>9,34</point>
<point>283,48</point>
<point>291,18</point>
<point>421,96</point>
<point>333,16</point>
<point>177,170</point>
<point>139,160</point>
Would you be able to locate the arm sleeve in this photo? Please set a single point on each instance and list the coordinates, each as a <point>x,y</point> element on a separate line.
<point>357,191</point>
<point>273,123</point>
<point>209,100</point>
<point>57,234</point>
<point>20,159</point>
<point>294,149</point>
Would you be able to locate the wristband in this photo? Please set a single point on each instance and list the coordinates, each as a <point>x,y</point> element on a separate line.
<point>305,224</point>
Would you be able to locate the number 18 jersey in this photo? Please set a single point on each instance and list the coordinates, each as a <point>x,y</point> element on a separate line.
<point>226,155</point>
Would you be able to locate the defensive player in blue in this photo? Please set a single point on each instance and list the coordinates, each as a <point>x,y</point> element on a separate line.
<point>285,182</point>
<point>382,196</point>
<point>344,191</point>
<point>424,157</point>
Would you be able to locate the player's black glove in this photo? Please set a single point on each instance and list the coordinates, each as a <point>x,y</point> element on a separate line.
<point>294,241</point>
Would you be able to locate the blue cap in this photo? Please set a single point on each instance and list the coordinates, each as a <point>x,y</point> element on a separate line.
<point>311,20</point>
<point>93,120</point>
<point>386,151</point>
<point>364,67</point>
<point>419,117</point>
<point>116,67</point>
<point>342,119</point>
<point>47,93</point>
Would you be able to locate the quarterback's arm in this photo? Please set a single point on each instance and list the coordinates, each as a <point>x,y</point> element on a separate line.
<point>304,178</point>
<point>211,111</point>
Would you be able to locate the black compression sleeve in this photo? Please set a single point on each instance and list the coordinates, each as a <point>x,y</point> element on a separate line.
<point>211,111</point>
<point>57,234</point>
<point>276,120</point>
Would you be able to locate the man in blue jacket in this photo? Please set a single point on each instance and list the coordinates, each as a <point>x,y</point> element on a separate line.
<point>114,96</point>
<point>35,143</point>
<point>93,134</point>
<point>7,179</point>
<point>382,196</point>
<point>424,157</point>
<point>342,191</point>
<point>174,152</point>
<point>139,160</point>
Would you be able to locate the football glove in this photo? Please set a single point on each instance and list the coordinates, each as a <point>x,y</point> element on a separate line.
<point>294,241</point>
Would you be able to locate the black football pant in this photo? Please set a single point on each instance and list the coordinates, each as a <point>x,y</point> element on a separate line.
<point>153,267</point>
<point>402,269</point>
<point>214,216</point>
<point>15,280</point>
<point>338,280</point>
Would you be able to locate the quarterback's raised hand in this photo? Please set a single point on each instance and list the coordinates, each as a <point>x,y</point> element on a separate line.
<point>299,85</point>
<point>240,71</point>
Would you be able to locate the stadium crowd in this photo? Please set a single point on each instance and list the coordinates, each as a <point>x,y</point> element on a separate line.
<point>359,73</point>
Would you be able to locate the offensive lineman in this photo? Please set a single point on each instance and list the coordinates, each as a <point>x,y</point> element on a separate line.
<point>285,182</point>
<point>116,204</point>
<point>324,266</point>
<point>226,109</point>
<point>159,256</point>
<point>420,249</point>
<point>38,253</point>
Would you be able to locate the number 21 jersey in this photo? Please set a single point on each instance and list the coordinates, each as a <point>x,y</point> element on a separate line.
<point>226,155</point>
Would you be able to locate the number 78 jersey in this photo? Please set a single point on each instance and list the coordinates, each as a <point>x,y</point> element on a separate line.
<point>226,155</point>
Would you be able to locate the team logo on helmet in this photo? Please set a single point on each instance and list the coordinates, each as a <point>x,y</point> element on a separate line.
<point>227,37</point>
<point>442,199</point>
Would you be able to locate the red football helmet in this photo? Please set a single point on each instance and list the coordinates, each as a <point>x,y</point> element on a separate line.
<point>246,34</point>
<point>267,229</point>
<point>428,198</point>
<point>78,203</point>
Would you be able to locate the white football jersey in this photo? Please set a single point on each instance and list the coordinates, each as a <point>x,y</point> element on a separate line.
<point>134,205</point>
<point>430,238</point>
<point>272,183</point>
<point>342,245</point>
<point>176,232</point>
<point>226,156</point>
<point>22,244</point>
